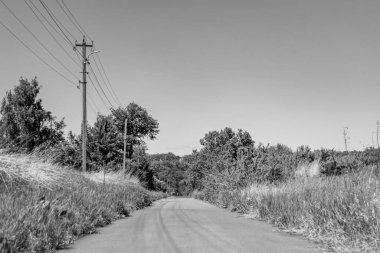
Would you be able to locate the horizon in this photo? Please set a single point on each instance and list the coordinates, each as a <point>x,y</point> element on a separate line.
<point>291,72</point>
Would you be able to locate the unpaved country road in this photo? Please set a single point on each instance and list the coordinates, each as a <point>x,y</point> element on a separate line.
<point>189,225</point>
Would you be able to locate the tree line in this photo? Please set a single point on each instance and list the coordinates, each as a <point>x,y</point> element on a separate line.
<point>230,160</point>
<point>26,126</point>
<point>227,160</point>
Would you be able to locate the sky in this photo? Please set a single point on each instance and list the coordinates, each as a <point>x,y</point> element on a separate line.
<point>294,72</point>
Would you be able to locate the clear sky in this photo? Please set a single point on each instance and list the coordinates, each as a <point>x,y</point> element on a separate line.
<point>287,71</point>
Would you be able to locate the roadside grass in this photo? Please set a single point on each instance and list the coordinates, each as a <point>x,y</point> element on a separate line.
<point>44,207</point>
<point>341,212</point>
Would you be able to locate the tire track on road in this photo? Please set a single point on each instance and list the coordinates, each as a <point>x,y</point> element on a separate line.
<point>208,231</point>
<point>139,228</point>
<point>195,231</point>
<point>161,226</point>
<point>180,225</point>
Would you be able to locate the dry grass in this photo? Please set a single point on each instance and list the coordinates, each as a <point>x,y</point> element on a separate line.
<point>116,177</point>
<point>24,168</point>
<point>44,207</point>
<point>341,212</point>
<point>308,170</point>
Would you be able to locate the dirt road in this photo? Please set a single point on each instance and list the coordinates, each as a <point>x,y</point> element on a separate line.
<point>188,225</point>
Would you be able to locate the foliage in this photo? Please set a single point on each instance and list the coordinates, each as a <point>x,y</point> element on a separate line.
<point>223,158</point>
<point>26,126</point>
<point>45,207</point>
<point>230,160</point>
<point>140,167</point>
<point>271,183</point>
<point>24,123</point>
<point>346,221</point>
<point>194,172</point>
<point>169,170</point>
<point>104,141</point>
<point>140,125</point>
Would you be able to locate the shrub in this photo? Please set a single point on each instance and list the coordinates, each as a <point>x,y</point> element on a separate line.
<point>342,212</point>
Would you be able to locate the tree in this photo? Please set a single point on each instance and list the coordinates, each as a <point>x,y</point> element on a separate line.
<point>24,122</point>
<point>195,171</point>
<point>103,141</point>
<point>140,125</point>
<point>222,160</point>
<point>170,169</point>
<point>106,142</point>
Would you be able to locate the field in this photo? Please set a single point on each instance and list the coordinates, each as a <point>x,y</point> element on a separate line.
<point>45,207</point>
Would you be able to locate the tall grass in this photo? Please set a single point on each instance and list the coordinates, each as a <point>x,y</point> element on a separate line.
<point>342,212</point>
<point>44,207</point>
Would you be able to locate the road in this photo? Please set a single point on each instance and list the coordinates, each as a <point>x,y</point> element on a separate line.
<point>187,225</point>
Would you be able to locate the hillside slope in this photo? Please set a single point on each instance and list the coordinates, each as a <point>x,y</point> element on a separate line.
<point>44,207</point>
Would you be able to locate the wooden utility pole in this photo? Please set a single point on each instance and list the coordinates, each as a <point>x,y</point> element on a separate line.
<point>377,134</point>
<point>84,45</point>
<point>125,143</point>
<point>345,137</point>
<point>373,141</point>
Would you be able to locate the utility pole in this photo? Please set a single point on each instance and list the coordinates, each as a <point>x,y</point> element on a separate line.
<point>345,136</point>
<point>125,143</point>
<point>84,45</point>
<point>377,134</point>
<point>373,142</point>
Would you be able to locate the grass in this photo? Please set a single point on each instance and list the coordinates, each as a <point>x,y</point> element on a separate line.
<point>341,212</point>
<point>44,207</point>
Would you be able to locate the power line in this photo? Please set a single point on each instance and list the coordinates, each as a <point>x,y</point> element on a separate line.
<point>77,25</point>
<point>54,38</point>
<point>56,21</point>
<point>68,9</point>
<point>51,14</point>
<point>100,86</point>
<point>105,74</point>
<point>35,37</point>
<point>64,36</point>
<point>67,15</point>
<point>72,18</point>
<point>75,22</point>
<point>100,96</point>
<point>92,105</point>
<point>52,26</point>
<point>78,54</point>
<point>97,81</point>
<point>93,102</point>
<point>35,54</point>
<point>104,104</point>
<point>89,95</point>
<point>101,76</point>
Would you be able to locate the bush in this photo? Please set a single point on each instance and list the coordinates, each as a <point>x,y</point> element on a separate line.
<point>343,212</point>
